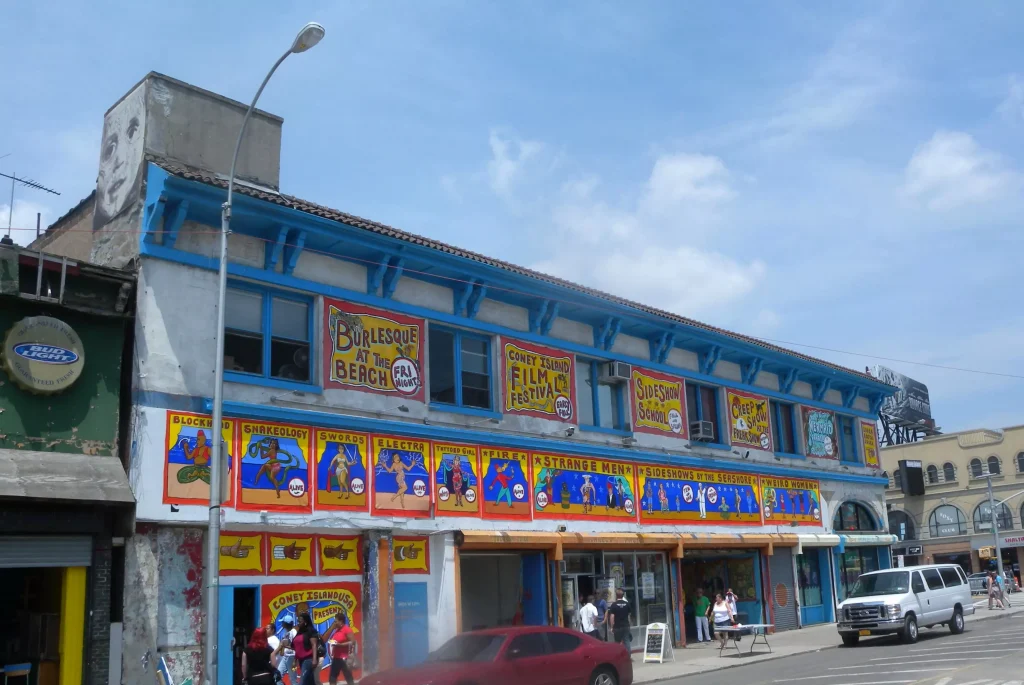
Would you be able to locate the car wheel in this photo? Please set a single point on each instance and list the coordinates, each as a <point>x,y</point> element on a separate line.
<point>956,626</point>
<point>850,639</point>
<point>909,633</point>
<point>603,676</point>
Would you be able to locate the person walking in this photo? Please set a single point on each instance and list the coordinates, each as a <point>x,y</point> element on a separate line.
<point>993,591</point>
<point>341,642</point>
<point>286,664</point>
<point>306,644</point>
<point>724,618</point>
<point>1004,597</point>
<point>619,614</point>
<point>701,607</point>
<point>588,618</point>
<point>256,667</point>
<point>602,615</point>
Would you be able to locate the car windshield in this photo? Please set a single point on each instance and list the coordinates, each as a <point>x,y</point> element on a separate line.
<point>895,583</point>
<point>469,647</point>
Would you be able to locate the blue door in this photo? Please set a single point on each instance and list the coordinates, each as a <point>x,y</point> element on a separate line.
<point>411,629</point>
<point>534,590</point>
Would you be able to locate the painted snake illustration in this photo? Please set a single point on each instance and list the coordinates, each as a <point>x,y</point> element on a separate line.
<point>275,467</point>
<point>200,458</point>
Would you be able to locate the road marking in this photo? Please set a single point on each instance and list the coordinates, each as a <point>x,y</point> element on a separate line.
<point>1016,645</point>
<point>944,681</point>
<point>900,662</point>
<point>978,682</point>
<point>833,675</point>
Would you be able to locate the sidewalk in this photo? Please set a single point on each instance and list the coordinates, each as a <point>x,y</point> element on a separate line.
<point>701,658</point>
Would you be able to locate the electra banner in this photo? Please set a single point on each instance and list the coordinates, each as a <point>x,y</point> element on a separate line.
<point>749,422</point>
<point>538,381</point>
<point>456,480</point>
<point>869,436</point>
<point>790,501</point>
<point>341,459</point>
<point>274,474</point>
<point>696,496</point>
<point>506,483</point>
<point>401,477</point>
<point>658,403</point>
<point>187,458</point>
<point>372,350</point>
<point>820,433</point>
<point>583,488</point>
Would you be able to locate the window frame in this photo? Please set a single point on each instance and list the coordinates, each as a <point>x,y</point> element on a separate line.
<point>927,574</point>
<point>775,408</point>
<point>267,322</point>
<point>933,526</point>
<point>981,468</point>
<point>897,480</point>
<point>618,396</point>
<point>978,517</point>
<point>842,420</point>
<point>458,408</point>
<point>717,420</point>
<point>931,474</point>
<point>952,468</point>
<point>998,463</point>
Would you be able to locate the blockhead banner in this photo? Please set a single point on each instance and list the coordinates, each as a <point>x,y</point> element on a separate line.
<point>790,500</point>
<point>698,496</point>
<point>506,484</point>
<point>869,436</point>
<point>456,479</point>
<point>582,488</point>
<point>188,449</point>
<point>820,433</point>
<point>538,381</point>
<point>659,404</point>
<point>275,467</point>
<point>401,477</point>
<point>341,460</point>
<point>749,420</point>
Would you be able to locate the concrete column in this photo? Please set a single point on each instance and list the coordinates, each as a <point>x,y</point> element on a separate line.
<point>378,602</point>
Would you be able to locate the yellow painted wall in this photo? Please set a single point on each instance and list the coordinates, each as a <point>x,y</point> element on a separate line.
<point>72,625</point>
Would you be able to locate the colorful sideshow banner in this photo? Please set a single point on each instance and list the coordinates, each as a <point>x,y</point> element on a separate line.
<point>506,482</point>
<point>340,555</point>
<point>869,436</point>
<point>582,488</point>
<point>372,350</point>
<point>411,555</point>
<point>401,477</point>
<point>820,433</point>
<point>291,555</point>
<point>275,467</point>
<point>322,601</point>
<point>790,500</point>
<point>750,424</point>
<point>658,403</point>
<point>243,554</point>
<point>697,496</point>
<point>456,480</point>
<point>188,448</point>
<point>538,381</point>
<point>341,459</point>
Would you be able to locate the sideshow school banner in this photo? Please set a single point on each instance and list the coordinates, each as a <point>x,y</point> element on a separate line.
<point>749,420</point>
<point>506,483</point>
<point>658,403</point>
<point>243,554</point>
<point>341,459</point>
<point>582,488</point>
<point>456,480</point>
<point>820,433</point>
<point>372,350</point>
<point>292,555</point>
<point>401,477</point>
<point>538,381</point>
<point>321,601</point>
<point>698,496</point>
<point>275,467</point>
<point>869,436</point>
<point>340,555</point>
<point>187,452</point>
<point>790,500</point>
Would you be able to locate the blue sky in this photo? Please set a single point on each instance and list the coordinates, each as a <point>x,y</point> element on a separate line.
<point>850,177</point>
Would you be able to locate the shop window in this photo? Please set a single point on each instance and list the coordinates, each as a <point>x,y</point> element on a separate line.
<point>853,516</point>
<point>460,369</point>
<point>809,579</point>
<point>983,517</point>
<point>847,440</point>
<point>784,427</point>
<point>902,526</point>
<point>1020,462</point>
<point>897,479</point>
<point>949,472</point>
<point>932,473</point>
<point>852,563</point>
<point>947,521</point>
<point>977,470</point>
<point>702,405</point>
<point>993,466</point>
<point>600,402</point>
<point>267,334</point>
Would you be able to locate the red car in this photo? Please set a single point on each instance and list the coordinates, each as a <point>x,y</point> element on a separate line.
<point>524,655</point>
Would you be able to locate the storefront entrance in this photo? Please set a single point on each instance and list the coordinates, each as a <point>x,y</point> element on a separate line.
<point>715,571</point>
<point>642,577</point>
<point>502,589</point>
<point>812,574</point>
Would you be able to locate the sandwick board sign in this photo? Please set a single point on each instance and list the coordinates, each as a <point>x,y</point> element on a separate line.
<point>656,643</point>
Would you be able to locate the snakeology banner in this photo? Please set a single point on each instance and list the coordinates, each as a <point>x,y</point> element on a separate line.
<point>187,458</point>
<point>341,481</point>
<point>698,496</point>
<point>749,422</point>
<point>274,474</point>
<point>790,500</point>
<point>582,488</point>
<point>658,403</point>
<point>538,381</point>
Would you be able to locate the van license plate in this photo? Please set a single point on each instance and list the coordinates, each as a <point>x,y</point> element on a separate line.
<point>865,632</point>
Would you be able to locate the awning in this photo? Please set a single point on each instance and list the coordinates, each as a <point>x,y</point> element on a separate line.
<point>814,540</point>
<point>737,540</point>
<point>867,540</point>
<point>490,539</point>
<point>57,476</point>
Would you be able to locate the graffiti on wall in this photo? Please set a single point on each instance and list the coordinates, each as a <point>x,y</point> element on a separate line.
<point>456,479</point>
<point>790,500</point>
<point>506,483</point>
<point>187,454</point>
<point>749,421</point>
<point>658,403</point>
<point>401,476</point>
<point>274,473</point>
<point>582,488</point>
<point>698,496</point>
<point>820,433</point>
<point>341,481</point>
<point>538,381</point>
<point>124,132</point>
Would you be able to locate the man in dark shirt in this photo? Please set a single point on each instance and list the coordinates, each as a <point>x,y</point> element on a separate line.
<point>602,610</point>
<point>618,618</point>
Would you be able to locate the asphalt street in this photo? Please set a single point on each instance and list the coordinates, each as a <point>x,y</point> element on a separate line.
<point>987,653</point>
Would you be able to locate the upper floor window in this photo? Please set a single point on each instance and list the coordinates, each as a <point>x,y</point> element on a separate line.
<point>847,440</point>
<point>993,466</point>
<point>460,369</point>
<point>854,516</point>
<point>783,417</point>
<point>897,479</point>
<point>600,401</point>
<point>983,517</point>
<point>977,469</point>
<point>949,472</point>
<point>702,405</point>
<point>933,474</point>
<point>1020,462</point>
<point>267,333</point>
<point>946,521</point>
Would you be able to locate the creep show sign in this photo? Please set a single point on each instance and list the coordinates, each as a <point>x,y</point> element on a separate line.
<point>658,405</point>
<point>538,381</point>
<point>820,433</point>
<point>372,350</point>
<point>749,422</point>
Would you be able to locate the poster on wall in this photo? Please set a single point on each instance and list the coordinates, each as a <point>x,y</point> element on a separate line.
<point>340,555</point>
<point>686,495</point>
<point>411,555</point>
<point>869,436</point>
<point>275,467</point>
<point>659,404</point>
<point>749,422</point>
<point>582,488</point>
<point>506,482</point>
<point>121,151</point>
<point>372,350</point>
<point>538,381</point>
<point>820,433</point>
<point>456,480</point>
<point>790,500</point>
<point>321,601</point>
<point>187,453</point>
<point>243,554</point>
<point>291,555</point>
<point>401,477</point>
<point>341,458</point>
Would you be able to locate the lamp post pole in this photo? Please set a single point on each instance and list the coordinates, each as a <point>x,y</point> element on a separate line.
<point>995,527</point>
<point>309,36</point>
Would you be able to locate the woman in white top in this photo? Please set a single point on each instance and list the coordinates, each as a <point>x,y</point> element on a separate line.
<point>723,617</point>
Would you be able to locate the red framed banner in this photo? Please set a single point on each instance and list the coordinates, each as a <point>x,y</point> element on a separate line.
<point>750,423</point>
<point>291,555</point>
<point>685,495</point>
<point>456,480</point>
<point>820,433</point>
<point>401,477</point>
<point>187,451</point>
<point>505,490</point>
<point>340,555</point>
<point>582,488</point>
<point>790,501</point>
<point>274,473</point>
<point>411,555</point>
<point>340,480</point>
<point>659,403</point>
<point>869,436</point>
<point>243,554</point>
<point>538,381</point>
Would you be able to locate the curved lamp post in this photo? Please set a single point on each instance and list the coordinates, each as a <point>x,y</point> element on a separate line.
<point>310,35</point>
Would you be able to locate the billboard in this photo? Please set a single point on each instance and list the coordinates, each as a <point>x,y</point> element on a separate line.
<point>910,402</point>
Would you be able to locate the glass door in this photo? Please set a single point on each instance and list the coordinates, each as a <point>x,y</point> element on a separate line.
<point>570,602</point>
<point>652,588</point>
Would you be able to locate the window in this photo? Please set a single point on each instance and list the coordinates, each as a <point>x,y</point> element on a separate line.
<point>931,576</point>
<point>808,569</point>
<point>933,474</point>
<point>993,466</point>
<point>528,645</point>
<point>784,427</point>
<point>977,470</point>
<point>945,521</point>
<point>847,440</point>
<point>460,369</point>
<point>562,642</point>
<point>267,334</point>
<point>897,479</point>
<point>917,585</point>
<point>852,563</point>
<point>983,517</point>
<point>853,516</point>
<point>702,405</point>
<point>949,472</point>
<point>600,402</point>
<point>1020,462</point>
<point>902,526</point>
<point>949,576</point>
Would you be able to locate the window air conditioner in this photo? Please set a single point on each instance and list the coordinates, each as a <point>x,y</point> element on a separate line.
<point>616,371</point>
<point>703,431</point>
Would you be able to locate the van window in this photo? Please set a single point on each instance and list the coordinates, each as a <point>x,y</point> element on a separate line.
<point>918,586</point>
<point>888,583</point>
<point>950,577</point>
<point>931,576</point>
<point>963,576</point>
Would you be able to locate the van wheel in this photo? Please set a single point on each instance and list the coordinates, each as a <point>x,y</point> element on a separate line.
<point>850,639</point>
<point>909,634</point>
<point>956,626</point>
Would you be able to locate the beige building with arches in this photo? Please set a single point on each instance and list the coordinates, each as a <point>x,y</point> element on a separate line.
<point>952,521</point>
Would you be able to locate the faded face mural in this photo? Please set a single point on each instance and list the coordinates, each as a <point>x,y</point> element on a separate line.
<point>120,156</point>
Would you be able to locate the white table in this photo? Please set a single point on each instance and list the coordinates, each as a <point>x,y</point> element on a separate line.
<point>755,630</point>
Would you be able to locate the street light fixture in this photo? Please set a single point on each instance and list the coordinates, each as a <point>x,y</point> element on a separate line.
<point>310,35</point>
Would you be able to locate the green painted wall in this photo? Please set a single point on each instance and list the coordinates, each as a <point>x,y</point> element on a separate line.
<point>82,419</point>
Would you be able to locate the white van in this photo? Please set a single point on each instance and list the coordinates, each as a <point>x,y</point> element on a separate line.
<point>902,600</point>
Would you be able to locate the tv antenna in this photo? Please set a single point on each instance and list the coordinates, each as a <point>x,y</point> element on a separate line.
<point>28,183</point>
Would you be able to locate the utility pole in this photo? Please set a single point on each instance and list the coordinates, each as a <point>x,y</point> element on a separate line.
<point>995,526</point>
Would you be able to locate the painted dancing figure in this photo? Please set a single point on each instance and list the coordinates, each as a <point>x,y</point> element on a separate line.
<point>588,493</point>
<point>501,478</point>
<point>702,496</point>
<point>340,468</point>
<point>457,480</point>
<point>398,467</point>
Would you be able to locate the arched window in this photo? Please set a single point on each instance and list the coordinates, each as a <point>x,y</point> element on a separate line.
<point>993,465</point>
<point>1020,462</point>
<point>901,525</point>
<point>949,472</point>
<point>933,474</point>
<point>977,470</point>
<point>983,517</point>
<point>852,517</point>
<point>945,521</point>
<point>897,479</point>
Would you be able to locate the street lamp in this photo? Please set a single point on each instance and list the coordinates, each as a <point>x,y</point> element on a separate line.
<point>310,35</point>
<point>995,520</point>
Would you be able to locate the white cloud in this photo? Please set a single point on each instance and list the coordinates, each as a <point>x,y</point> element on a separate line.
<point>450,185</point>
<point>680,180</point>
<point>951,170</point>
<point>1012,108</point>
<point>23,223</point>
<point>509,160</point>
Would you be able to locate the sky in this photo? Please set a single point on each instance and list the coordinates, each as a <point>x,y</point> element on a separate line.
<point>837,177</point>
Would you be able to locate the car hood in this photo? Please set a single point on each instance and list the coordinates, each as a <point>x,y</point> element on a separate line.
<point>427,673</point>
<point>873,599</point>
